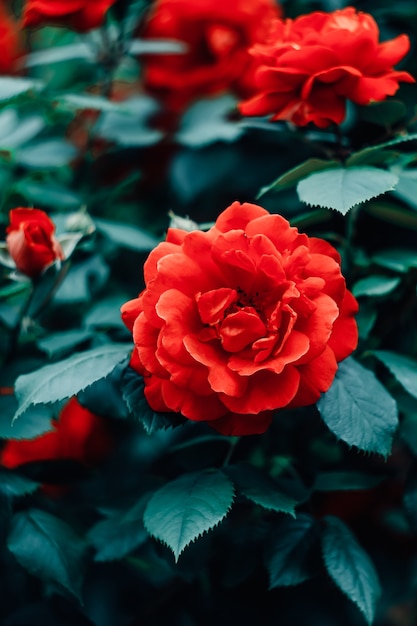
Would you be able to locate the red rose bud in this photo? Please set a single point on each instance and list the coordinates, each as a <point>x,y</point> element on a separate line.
<point>79,15</point>
<point>78,435</point>
<point>236,322</point>
<point>31,241</point>
<point>216,35</point>
<point>310,66</point>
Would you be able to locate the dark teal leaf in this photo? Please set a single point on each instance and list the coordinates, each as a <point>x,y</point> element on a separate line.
<point>132,126</point>
<point>288,556</point>
<point>132,387</point>
<point>66,378</point>
<point>156,46</point>
<point>375,286</point>
<point>343,188</point>
<point>118,536</point>
<point>12,484</point>
<point>259,487</point>
<point>206,122</point>
<point>291,178</point>
<point>37,420</point>
<point>15,130</point>
<point>47,194</point>
<point>187,507</point>
<point>10,87</point>
<point>359,410</point>
<point>48,548</point>
<point>56,54</point>
<point>126,235</point>
<point>398,260</point>
<point>345,481</point>
<point>48,154</point>
<point>61,344</point>
<point>403,368</point>
<point>350,567</point>
<point>106,313</point>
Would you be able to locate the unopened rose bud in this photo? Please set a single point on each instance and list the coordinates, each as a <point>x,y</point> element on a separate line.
<point>31,241</point>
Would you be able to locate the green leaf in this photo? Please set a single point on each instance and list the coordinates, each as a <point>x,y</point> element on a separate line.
<point>48,548</point>
<point>131,127</point>
<point>14,485</point>
<point>134,397</point>
<point>403,368</point>
<point>261,488</point>
<point>116,537</point>
<point>375,286</point>
<point>291,178</point>
<point>48,154</point>
<point>57,54</point>
<point>38,420</point>
<point>187,507</point>
<point>288,557</point>
<point>12,87</point>
<point>406,189</point>
<point>359,410</point>
<point>206,122</point>
<point>66,378</point>
<point>156,46</point>
<point>60,344</point>
<point>47,194</point>
<point>15,130</point>
<point>345,481</point>
<point>90,102</point>
<point>126,235</point>
<point>350,567</point>
<point>343,188</point>
<point>398,260</point>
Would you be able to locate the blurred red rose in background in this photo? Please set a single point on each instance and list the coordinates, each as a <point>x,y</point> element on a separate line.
<point>80,15</point>
<point>10,42</point>
<point>78,435</point>
<point>31,241</point>
<point>216,36</point>
<point>310,66</point>
<point>238,321</point>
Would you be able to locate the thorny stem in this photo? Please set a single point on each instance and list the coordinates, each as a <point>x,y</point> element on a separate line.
<point>15,335</point>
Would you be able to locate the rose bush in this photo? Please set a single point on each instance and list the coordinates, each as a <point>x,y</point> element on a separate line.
<point>311,65</point>
<point>248,317</point>
<point>80,15</point>
<point>78,435</point>
<point>31,241</point>
<point>217,36</point>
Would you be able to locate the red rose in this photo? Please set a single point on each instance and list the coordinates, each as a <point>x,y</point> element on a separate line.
<point>10,44</point>
<point>31,241</point>
<point>78,435</point>
<point>80,15</point>
<point>217,36</point>
<point>238,321</point>
<point>310,66</point>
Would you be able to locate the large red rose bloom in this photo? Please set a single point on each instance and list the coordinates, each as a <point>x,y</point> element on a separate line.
<point>216,36</point>
<point>80,15</point>
<point>31,241</point>
<point>310,66</point>
<point>236,322</point>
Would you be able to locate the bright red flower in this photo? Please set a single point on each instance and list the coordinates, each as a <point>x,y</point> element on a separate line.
<point>10,43</point>
<point>217,36</point>
<point>80,15</point>
<point>310,66</point>
<point>236,322</point>
<point>31,241</point>
<point>78,435</point>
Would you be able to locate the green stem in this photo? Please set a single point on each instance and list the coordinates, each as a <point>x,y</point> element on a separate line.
<point>233,443</point>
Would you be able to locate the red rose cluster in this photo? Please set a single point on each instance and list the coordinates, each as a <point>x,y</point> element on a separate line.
<point>80,15</point>
<point>31,241</point>
<point>236,322</point>
<point>216,36</point>
<point>310,66</point>
<point>78,435</point>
